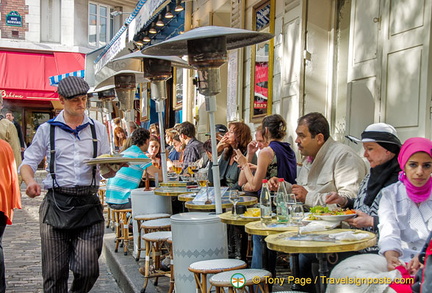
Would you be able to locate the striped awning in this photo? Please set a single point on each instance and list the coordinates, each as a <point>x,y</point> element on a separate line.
<point>54,80</point>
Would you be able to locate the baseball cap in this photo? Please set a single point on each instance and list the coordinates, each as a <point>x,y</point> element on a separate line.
<point>378,132</point>
<point>219,128</point>
<point>72,86</point>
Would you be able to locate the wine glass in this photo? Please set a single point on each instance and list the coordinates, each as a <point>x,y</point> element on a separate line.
<point>290,201</point>
<point>178,168</point>
<point>234,198</point>
<point>192,169</point>
<point>203,182</point>
<point>297,216</point>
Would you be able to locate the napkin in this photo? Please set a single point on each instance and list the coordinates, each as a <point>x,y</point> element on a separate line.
<point>348,236</point>
<point>318,226</point>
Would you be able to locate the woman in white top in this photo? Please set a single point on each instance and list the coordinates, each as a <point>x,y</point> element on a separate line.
<point>405,220</point>
<point>405,212</point>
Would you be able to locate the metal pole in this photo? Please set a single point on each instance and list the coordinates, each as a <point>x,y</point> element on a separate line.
<point>211,109</point>
<point>159,110</point>
<point>158,91</point>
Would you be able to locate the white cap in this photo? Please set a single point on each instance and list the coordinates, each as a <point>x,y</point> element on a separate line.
<point>378,132</point>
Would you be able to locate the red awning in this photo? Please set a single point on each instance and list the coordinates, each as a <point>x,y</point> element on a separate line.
<point>24,75</point>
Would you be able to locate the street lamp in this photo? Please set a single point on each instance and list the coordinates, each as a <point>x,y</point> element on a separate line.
<point>158,70</point>
<point>206,48</point>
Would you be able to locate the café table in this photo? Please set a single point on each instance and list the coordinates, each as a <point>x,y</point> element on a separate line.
<point>186,197</point>
<point>171,191</point>
<point>173,184</point>
<point>258,228</point>
<point>282,242</point>
<point>229,218</point>
<point>244,200</point>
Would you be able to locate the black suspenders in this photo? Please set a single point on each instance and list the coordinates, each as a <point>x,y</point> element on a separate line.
<point>53,152</point>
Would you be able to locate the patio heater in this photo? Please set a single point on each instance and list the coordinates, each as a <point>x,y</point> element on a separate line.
<point>158,70</point>
<point>206,48</point>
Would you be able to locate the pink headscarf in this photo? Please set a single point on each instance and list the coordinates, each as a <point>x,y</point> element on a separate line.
<point>410,147</point>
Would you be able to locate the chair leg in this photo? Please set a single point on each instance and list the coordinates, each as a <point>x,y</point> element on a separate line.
<point>139,240</point>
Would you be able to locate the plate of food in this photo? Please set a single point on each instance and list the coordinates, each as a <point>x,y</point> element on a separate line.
<point>336,218</point>
<point>251,213</point>
<point>324,213</point>
<point>110,159</point>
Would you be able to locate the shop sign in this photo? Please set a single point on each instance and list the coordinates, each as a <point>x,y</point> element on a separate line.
<point>9,95</point>
<point>13,18</point>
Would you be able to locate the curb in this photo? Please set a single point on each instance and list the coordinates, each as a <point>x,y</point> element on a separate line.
<point>124,269</point>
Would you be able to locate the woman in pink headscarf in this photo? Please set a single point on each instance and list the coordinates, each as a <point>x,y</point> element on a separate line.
<point>405,220</point>
<point>405,212</point>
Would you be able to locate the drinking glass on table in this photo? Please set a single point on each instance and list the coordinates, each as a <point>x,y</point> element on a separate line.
<point>178,168</point>
<point>234,198</point>
<point>193,169</point>
<point>297,216</point>
<point>202,178</point>
<point>290,201</point>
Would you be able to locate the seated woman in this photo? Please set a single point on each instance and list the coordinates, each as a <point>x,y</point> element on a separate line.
<point>154,153</point>
<point>404,220</point>
<point>235,140</point>
<point>128,178</point>
<point>276,160</point>
<point>381,148</point>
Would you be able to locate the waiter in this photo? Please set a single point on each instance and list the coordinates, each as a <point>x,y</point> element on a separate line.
<point>71,219</point>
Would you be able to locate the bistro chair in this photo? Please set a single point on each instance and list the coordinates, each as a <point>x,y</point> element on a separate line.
<point>224,280</point>
<point>142,218</point>
<point>122,220</point>
<point>155,244</point>
<point>213,266</point>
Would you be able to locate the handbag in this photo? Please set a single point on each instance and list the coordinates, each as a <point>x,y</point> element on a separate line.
<point>63,211</point>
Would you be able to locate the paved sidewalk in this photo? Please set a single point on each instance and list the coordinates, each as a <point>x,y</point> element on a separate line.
<point>22,251</point>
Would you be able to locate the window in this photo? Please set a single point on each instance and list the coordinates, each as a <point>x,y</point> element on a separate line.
<point>50,21</point>
<point>98,27</point>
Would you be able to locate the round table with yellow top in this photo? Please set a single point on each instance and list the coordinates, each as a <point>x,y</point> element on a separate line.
<point>244,200</point>
<point>173,184</point>
<point>320,243</point>
<point>229,218</point>
<point>171,191</point>
<point>258,228</point>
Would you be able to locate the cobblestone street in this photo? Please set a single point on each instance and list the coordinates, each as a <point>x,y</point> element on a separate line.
<point>22,251</point>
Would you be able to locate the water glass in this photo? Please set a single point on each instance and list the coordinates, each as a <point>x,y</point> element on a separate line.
<point>297,216</point>
<point>234,198</point>
<point>290,201</point>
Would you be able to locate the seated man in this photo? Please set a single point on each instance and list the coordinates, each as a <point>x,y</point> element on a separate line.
<point>328,166</point>
<point>128,178</point>
<point>193,150</point>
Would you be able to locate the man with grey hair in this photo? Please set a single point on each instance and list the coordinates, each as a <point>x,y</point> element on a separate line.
<point>71,218</point>
<point>9,133</point>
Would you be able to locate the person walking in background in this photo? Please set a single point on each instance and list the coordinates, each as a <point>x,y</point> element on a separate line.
<point>9,134</point>
<point>10,198</point>
<point>10,117</point>
<point>71,215</point>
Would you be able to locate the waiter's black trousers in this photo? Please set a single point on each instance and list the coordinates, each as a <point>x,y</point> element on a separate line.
<point>74,249</point>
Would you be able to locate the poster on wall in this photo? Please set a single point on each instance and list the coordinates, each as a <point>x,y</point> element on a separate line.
<point>262,56</point>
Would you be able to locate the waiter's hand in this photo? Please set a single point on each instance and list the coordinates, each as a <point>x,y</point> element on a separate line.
<point>300,192</point>
<point>33,189</point>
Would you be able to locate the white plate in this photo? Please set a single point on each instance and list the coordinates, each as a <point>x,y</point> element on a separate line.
<point>117,160</point>
<point>335,218</point>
